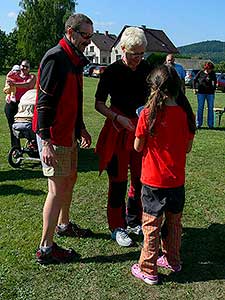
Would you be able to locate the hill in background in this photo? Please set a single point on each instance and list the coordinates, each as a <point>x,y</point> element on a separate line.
<point>213,50</point>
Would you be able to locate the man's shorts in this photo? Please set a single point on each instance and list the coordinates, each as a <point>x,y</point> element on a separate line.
<point>66,160</point>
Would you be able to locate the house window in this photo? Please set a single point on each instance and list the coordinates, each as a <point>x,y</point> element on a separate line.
<point>109,60</point>
<point>104,60</point>
<point>116,51</point>
<point>118,57</point>
<point>91,48</point>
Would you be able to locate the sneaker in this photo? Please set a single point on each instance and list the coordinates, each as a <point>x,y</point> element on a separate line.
<point>56,255</point>
<point>136,230</point>
<point>73,230</point>
<point>149,279</point>
<point>163,263</point>
<point>120,235</point>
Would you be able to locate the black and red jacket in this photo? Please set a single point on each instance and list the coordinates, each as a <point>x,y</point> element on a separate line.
<point>59,105</point>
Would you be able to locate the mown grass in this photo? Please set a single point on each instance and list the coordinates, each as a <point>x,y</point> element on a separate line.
<point>103,272</point>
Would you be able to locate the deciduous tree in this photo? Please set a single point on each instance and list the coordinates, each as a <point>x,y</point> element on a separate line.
<point>41,25</point>
<point>3,44</point>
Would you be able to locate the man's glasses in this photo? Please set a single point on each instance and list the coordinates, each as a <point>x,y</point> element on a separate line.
<point>85,35</point>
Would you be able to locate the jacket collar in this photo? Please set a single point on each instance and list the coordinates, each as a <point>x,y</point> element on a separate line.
<point>75,55</point>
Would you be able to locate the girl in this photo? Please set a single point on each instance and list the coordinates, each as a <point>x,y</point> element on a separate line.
<point>164,133</point>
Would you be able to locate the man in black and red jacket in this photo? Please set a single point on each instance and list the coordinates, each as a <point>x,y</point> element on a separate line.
<point>58,122</point>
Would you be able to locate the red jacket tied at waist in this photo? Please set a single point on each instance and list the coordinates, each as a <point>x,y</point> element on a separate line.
<point>113,136</point>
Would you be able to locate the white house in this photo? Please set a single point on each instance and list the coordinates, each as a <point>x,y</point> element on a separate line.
<point>99,50</point>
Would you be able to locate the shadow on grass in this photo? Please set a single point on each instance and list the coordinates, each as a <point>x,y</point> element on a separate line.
<point>12,189</point>
<point>87,160</point>
<point>216,128</point>
<point>20,174</point>
<point>115,258</point>
<point>203,255</point>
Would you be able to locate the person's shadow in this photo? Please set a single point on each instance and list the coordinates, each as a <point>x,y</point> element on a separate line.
<point>203,255</point>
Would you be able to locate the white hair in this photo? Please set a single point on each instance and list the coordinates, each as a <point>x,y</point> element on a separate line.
<point>133,36</point>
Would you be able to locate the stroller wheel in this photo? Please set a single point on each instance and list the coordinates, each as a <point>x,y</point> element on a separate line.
<point>15,157</point>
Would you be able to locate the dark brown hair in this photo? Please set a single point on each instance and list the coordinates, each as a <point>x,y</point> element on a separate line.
<point>164,83</point>
<point>76,20</point>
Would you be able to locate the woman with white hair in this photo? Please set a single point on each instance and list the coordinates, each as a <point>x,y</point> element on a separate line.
<point>125,82</point>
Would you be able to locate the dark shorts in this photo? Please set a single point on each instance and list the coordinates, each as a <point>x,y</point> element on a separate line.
<point>155,200</point>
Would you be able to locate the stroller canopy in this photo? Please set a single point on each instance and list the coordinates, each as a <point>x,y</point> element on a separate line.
<point>26,107</point>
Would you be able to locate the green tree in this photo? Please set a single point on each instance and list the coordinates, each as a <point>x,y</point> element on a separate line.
<point>220,67</point>
<point>156,58</point>
<point>13,55</point>
<point>41,25</point>
<point>3,52</point>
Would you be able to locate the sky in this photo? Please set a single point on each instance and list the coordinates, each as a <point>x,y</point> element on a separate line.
<point>184,22</point>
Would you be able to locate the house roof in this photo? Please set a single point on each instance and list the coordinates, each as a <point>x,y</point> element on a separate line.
<point>157,40</point>
<point>104,41</point>
<point>192,63</point>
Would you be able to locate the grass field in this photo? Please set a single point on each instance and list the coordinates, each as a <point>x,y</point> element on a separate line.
<point>103,271</point>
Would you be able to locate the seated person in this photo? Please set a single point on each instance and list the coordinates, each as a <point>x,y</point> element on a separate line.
<point>22,126</point>
<point>10,91</point>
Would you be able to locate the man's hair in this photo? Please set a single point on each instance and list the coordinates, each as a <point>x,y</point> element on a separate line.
<point>76,20</point>
<point>133,36</point>
<point>26,61</point>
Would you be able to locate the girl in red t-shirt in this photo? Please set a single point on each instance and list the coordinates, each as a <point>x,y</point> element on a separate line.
<point>164,133</point>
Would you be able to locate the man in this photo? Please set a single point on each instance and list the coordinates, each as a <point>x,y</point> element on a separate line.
<point>170,60</point>
<point>58,122</point>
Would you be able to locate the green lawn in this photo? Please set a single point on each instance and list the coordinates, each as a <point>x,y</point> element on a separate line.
<point>103,271</point>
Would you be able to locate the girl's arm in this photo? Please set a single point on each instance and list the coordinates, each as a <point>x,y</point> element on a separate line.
<point>189,146</point>
<point>139,143</point>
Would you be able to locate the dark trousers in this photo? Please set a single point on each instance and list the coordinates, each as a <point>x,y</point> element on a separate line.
<point>118,214</point>
<point>11,110</point>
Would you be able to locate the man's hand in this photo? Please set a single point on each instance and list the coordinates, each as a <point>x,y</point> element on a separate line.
<point>85,139</point>
<point>48,154</point>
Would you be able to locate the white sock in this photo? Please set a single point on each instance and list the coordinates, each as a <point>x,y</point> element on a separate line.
<point>63,226</point>
<point>46,249</point>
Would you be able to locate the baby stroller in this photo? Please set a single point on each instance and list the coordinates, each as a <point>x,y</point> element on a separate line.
<point>22,129</point>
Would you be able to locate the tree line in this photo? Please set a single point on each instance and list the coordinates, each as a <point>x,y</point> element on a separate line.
<point>40,25</point>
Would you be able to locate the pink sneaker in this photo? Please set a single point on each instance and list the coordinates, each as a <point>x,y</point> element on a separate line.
<point>163,263</point>
<point>149,279</point>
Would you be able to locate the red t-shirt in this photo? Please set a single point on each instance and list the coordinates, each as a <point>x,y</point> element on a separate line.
<point>164,153</point>
<point>21,91</point>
